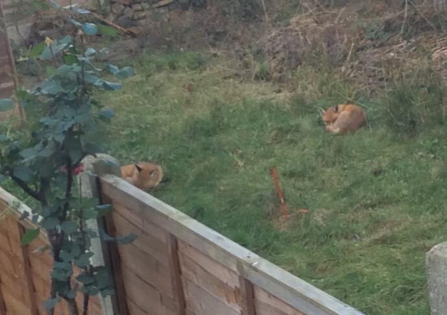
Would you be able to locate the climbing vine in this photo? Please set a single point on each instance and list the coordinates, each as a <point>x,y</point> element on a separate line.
<point>45,157</point>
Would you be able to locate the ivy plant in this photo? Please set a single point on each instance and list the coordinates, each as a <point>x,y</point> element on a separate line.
<point>45,156</point>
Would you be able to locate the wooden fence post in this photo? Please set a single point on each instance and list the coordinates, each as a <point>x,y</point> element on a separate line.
<point>174,268</point>
<point>103,253</point>
<point>247,296</point>
<point>436,266</point>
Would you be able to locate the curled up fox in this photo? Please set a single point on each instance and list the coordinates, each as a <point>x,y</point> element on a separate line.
<point>343,118</point>
<point>143,175</point>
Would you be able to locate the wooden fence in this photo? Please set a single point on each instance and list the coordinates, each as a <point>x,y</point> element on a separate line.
<point>175,266</point>
<point>24,271</point>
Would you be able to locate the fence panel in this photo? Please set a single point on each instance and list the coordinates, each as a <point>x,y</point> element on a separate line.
<point>217,276</point>
<point>25,271</point>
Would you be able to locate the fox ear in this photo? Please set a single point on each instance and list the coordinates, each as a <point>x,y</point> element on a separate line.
<point>139,168</point>
<point>154,174</point>
<point>322,111</point>
<point>336,109</point>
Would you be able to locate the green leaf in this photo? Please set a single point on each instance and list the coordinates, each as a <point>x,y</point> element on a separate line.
<point>37,50</point>
<point>90,29</point>
<point>51,87</point>
<point>107,30</point>
<point>126,239</point>
<point>85,279</point>
<point>83,11</point>
<point>111,86</point>
<point>71,294</point>
<point>125,73</point>
<point>107,113</point>
<point>70,59</point>
<point>59,274</point>
<point>62,266</point>
<point>55,47</point>
<point>90,52</point>
<point>6,104</point>
<point>23,173</point>
<point>28,153</point>
<point>50,304</point>
<point>113,69</point>
<point>67,255</point>
<point>49,223</point>
<point>69,227</point>
<point>122,74</point>
<point>29,236</point>
<point>50,70</point>
<point>75,23</point>
<point>103,280</point>
<point>83,260</point>
<point>65,40</point>
<point>93,291</point>
<point>103,210</point>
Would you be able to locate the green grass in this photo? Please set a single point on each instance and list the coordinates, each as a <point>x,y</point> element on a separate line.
<point>376,198</point>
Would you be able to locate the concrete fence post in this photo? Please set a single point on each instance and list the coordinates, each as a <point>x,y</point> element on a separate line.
<point>100,165</point>
<point>436,266</point>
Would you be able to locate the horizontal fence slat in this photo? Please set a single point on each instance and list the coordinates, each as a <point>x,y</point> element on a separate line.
<point>202,302</point>
<point>147,268</point>
<point>288,288</point>
<point>145,241</point>
<point>199,276</point>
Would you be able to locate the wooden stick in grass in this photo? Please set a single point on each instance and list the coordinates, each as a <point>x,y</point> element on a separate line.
<point>278,189</point>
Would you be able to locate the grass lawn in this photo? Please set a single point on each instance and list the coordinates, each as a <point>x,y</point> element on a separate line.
<point>376,200</point>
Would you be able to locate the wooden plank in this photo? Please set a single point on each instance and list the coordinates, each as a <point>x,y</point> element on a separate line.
<point>14,306</point>
<point>2,299</point>
<point>211,266</point>
<point>146,226</point>
<point>134,309</point>
<point>146,297</point>
<point>10,264</point>
<point>175,272</point>
<point>265,309</point>
<point>14,285</point>
<point>115,265</point>
<point>147,268</point>
<point>203,303</point>
<point>247,297</point>
<point>195,273</point>
<point>294,291</point>
<point>267,299</point>
<point>28,283</point>
<point>145,241</point>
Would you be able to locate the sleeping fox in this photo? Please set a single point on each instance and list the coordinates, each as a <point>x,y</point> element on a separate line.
<point>143,175</point>
<point>343,118</point>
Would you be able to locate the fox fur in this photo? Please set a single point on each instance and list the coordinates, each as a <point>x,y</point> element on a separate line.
<point>143,175</point>
<point>343,118</point>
